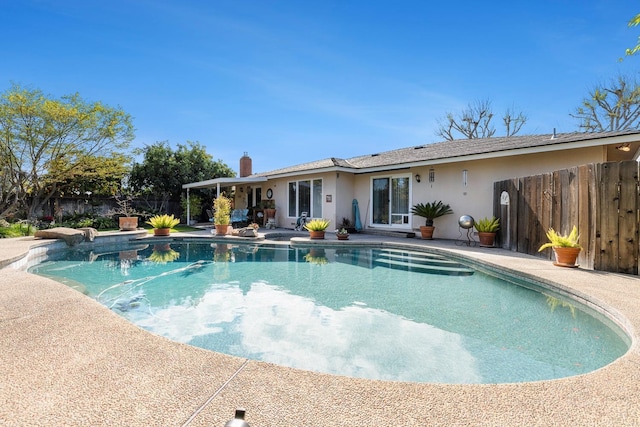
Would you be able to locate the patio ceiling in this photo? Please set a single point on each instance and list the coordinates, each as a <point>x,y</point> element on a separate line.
<point>224,182</point>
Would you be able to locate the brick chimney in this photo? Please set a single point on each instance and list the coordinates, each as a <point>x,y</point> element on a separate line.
<point>245,165</point>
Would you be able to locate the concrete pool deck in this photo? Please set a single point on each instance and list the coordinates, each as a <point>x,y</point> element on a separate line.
<point>67,360</point>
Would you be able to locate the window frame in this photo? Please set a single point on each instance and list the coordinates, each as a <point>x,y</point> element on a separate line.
<point>314,198</point>
<point>406,217</point>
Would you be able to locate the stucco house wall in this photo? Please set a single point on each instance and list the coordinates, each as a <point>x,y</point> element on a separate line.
<point>484,160</point>
<point>476,198</point>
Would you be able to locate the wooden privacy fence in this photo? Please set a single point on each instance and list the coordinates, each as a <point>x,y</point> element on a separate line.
<point>600,199</point>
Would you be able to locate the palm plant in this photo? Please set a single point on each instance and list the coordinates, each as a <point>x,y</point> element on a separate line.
<point>431,211</point>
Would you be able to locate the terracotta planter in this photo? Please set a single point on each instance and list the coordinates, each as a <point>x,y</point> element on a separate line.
<point>426,231</point>
<point>316,235</point>
<point>486,239</point>
<point>221,230</point>
<point>268,213</point>
<point>343,236</point>
<point>161,231</point>
<point>128,223</point>
<point>566,257</point>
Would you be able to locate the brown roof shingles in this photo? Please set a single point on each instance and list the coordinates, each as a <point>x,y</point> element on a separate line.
<point>446,150</point>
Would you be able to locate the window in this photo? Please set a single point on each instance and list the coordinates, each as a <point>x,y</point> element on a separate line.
<point>305,196</point>
<point>258,196</point>
<point>390,197</point>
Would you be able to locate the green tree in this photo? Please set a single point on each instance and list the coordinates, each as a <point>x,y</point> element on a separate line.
<point>102,176</point>
<point>163,171</point>
<point>475,122</point>
<point>634,23</point>
<point>47,143</point>
<point>611,107</point>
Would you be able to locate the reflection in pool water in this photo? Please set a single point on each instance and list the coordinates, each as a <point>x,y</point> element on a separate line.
<point>372,313</point>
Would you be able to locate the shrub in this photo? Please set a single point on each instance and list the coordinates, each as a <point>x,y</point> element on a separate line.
<point>222,210</point>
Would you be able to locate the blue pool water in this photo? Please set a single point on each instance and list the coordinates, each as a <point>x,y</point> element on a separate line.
<point>371,313</point>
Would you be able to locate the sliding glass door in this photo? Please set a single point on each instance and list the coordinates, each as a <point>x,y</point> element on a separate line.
<point>390,196</point>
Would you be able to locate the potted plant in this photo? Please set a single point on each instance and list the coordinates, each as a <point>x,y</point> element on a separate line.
<point>222,214</point>
<point>162,224</point>
<point>565,247</point>
<point>346,224</point>
<point>342,233</point>
<point>317,227</point>
<point>430,211</point>
<point>487,229</point>
<point>269,211</point>
<point>127,215</point>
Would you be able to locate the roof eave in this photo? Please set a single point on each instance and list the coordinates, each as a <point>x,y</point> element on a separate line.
<point>312,171</point>
<point>617,140</point>
<point>211,183</point>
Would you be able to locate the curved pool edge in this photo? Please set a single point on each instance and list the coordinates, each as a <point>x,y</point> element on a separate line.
<point>275,395</point>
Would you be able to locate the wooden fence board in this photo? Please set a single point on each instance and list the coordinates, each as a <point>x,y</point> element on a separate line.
<point>602,200</point>
<point>533,226</point>
<point>556,199</point>
<point>523,217</point>
<point>546,208</point>
<point>609,201</point>
<point>586,206</point>
<point>597,255</point>
<point>627,219</point>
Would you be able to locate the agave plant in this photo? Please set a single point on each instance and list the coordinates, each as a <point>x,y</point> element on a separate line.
<point>431,211</point>
<point>342,231</point>
<point>163,221</point>
<point>487,225</point>
<point>320,224</point>
<point>562,241</point>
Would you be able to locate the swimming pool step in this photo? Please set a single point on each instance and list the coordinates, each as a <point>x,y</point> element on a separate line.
<point>417,258</point>
<point>449,270</point>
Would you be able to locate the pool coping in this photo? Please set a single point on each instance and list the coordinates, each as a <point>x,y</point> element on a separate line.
<point>68,360</point>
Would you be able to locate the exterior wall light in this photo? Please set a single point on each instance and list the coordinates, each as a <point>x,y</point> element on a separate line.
<point>417,177</point>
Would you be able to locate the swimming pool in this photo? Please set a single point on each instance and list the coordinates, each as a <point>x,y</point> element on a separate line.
<point>362,312</point>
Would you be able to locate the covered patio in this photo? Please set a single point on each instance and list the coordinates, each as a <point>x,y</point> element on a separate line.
<point>243,183</point>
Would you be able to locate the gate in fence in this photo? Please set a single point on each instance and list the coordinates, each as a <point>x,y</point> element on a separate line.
<point>601,199</point>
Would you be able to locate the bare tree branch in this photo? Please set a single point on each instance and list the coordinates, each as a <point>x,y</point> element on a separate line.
<point>611,107</point>
<point>475,122</point>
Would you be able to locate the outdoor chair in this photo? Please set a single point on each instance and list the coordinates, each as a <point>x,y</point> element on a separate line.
<point>239,218</point>
<point>302,220</point>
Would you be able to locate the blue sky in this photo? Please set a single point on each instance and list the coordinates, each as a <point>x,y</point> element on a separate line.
<point>296,81</point>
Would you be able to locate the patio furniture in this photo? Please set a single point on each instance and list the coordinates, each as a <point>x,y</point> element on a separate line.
<point>239,218</point>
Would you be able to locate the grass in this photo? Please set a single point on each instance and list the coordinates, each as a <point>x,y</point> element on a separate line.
<point>17,230</point>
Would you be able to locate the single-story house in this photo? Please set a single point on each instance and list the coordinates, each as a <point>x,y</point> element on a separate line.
<point>387,184</point>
